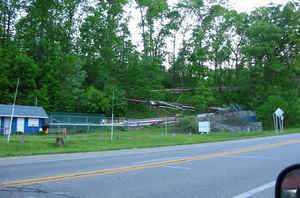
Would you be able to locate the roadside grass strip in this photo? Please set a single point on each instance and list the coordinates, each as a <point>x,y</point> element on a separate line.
<point>101,140</point>
<point>145,166</point>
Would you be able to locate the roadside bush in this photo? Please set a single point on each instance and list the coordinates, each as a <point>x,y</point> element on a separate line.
<point>81,131</point>
<point>43,133</point>
<point>186,125</point>
<point>19,133</point>
<point>123,129</point>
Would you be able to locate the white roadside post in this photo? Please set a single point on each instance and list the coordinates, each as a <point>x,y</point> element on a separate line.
<point>282,118</point>
<point>112,117</point>
<point>166,126</point>
<point>13,111</point>
<point>274,122</point>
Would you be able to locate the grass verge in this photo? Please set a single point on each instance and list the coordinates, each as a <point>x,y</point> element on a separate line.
<point>100,141</point>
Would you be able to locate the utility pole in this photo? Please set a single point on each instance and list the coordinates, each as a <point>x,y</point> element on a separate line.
<point>13,111</point>
<point>112,117</point>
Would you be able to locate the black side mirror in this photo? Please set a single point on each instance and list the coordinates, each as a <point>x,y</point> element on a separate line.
<point>288,183</point>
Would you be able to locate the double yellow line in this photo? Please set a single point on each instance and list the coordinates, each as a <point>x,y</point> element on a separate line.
<point>144,166</point>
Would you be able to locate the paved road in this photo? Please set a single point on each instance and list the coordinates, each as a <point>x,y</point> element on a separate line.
<point>239,169</point>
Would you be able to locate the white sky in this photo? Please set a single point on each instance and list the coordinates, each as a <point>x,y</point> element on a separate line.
<point>248,6</point>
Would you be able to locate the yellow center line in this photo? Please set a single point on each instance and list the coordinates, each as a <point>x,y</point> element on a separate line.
<point>144,166</point>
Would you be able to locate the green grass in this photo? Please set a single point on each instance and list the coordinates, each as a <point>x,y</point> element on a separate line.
<point>100,141</point>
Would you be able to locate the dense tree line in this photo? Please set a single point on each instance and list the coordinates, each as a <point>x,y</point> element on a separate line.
<point>72,54</point>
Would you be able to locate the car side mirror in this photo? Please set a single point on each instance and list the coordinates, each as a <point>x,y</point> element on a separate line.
<point>288,183</point>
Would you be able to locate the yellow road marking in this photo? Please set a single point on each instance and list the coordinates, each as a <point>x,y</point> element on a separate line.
<point>144,166</point>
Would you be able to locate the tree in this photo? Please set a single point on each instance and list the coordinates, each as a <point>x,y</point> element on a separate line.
<point>101,43</point>
<point>72,78</point>
<point>151,13</point>
<point>287,100</point>
<point>204,94</point>
<point>271,53</point>
<point>96,101</point>
<point>73,54</point>
<point>16,65</point>
<point>8,14</point>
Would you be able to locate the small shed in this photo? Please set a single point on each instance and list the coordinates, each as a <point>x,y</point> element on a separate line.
<point>26,119</point>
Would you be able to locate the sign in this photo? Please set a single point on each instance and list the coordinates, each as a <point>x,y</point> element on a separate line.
<point>279,112</point>
<point>278,120</point>
<point>204,127</point>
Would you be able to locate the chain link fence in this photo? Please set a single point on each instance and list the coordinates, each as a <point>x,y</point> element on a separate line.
<point>73,124</point>
<point>232,121</point>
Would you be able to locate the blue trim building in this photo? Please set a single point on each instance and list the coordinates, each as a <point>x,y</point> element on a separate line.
<point>26,119</point>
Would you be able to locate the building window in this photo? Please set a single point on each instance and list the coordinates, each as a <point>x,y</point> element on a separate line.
<point>33,122</point>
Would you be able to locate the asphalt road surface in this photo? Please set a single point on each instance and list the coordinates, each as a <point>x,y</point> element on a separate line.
<point>239,169</point>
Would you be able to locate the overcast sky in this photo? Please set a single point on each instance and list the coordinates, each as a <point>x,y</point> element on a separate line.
<point>248,6</point>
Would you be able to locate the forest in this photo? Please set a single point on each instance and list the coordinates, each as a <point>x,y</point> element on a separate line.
<point>70,55</point>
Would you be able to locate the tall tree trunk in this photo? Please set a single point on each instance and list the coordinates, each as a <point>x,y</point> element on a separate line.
<point>143,32</point>
<point>151,40</point>
<point>8,27</point>
<point>174,48</point>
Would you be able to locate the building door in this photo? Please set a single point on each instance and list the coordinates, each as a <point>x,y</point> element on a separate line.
<point>20,124</point>
<point>6,125</point>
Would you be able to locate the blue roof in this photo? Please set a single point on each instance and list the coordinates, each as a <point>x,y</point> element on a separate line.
<point>23,111</point>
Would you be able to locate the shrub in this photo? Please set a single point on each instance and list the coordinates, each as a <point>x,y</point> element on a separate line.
<point>19,133</point>
<point>186,125</point>
<point>43,132</point>
<point>81,131</point>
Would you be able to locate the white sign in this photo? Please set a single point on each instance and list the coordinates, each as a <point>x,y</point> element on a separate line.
<point>204,127</point>
<point>279,112</point>
<point>278,120</point>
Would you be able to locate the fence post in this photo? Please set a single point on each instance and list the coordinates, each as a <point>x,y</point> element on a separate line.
<point>166,126</point>
<point>128,124</point>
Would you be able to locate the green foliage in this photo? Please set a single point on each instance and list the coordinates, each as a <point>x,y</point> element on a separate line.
<point>72,78</point>
<point>17,65</point>
<point>95,101</point>
<point>72,55</point>
<point>144,77</point>
<point>287,100</point>
<point>204,95</point>
<point>19,133</point>
<point>154,7</point>
<point>187,124</point>
<point>116,95</point>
